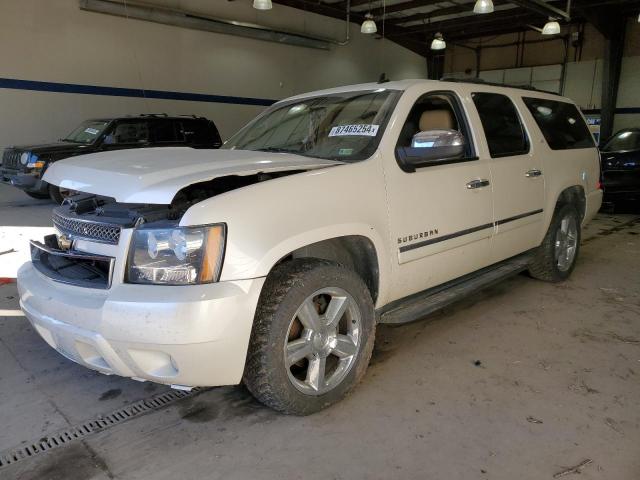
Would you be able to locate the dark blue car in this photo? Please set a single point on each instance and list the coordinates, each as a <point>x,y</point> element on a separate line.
<point>620,164</point>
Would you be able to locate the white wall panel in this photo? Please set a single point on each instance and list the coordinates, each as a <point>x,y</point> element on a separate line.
<point>55,41</point>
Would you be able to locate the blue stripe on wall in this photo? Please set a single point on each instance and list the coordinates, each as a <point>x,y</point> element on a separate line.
<point>129,92</point>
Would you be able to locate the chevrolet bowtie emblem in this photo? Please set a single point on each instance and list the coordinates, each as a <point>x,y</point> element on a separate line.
<point>64,242</point>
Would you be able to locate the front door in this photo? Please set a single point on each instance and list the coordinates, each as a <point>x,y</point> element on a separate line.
<point>517,176</point>
<point>440,216</point>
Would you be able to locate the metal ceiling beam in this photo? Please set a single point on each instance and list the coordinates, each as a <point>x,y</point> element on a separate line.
<point>467,7</point>
<point>496,19</point>
<point>178,18</point>
<point>543,8</point>
<point>399,7</point>
<point>414,45</point>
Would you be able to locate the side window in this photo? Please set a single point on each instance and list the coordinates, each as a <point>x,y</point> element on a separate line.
<point>167,131</point>
<point>436,111</point>
<point>501,124</point>
<point>200,132</point>
<point>128,132</point>
<point>561,124</point>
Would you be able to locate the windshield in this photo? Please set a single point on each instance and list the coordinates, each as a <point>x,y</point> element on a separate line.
<point>88,132</point>
<point>342,126</point>
<point>623,141</point>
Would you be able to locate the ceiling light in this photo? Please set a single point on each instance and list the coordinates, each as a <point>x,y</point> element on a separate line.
<point>438,42</point>
<point>483,6</point>
<point>368,26</point>
<point>262,4</point>
<point>551,28</point>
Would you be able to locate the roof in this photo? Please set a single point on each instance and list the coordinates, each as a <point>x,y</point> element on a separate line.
<point>456,85</point>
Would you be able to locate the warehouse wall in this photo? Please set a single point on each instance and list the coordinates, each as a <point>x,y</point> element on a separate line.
<point>54,41</point>
<point>583,74</point>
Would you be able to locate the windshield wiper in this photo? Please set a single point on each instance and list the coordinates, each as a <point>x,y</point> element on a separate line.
<point>275,150</point>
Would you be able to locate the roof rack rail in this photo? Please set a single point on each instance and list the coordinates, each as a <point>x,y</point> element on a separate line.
<point>480,81</point>
<point>154,115</point>
<point>190,116</point>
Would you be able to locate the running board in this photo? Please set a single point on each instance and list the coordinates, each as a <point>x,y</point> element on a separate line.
<point>424,303</point>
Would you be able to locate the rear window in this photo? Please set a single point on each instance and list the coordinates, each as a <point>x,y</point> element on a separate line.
<point>561,124</point>
<point>501,123</point>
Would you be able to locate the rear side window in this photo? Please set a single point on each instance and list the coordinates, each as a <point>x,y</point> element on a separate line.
<point>167,131</point>
<point>561,124</point>
<point>501,123</point>
<point>128,132</point>
<point>201,132</point>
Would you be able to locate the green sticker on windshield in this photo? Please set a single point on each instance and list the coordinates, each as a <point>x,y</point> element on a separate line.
<point>345,151</point>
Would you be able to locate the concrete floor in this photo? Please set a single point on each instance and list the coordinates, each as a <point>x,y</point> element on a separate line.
<point>519,381</point>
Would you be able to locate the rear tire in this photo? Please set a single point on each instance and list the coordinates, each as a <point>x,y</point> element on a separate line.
<point>312,336</point>
<point>556,257</point>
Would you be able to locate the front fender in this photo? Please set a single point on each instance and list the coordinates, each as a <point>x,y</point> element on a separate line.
<point>269,220</point>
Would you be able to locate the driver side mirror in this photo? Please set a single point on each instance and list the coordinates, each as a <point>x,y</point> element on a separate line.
<point>431,147</point>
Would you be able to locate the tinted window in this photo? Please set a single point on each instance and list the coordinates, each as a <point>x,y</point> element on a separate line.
<point>167,131</point>
<point>623,141</point>
<point>501,123</point>
<point>561,124</point>
<point>128,132</point>
<point>200,132</point>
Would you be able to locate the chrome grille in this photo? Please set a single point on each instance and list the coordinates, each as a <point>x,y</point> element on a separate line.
<point>90,230</point>
<point>11,158</point>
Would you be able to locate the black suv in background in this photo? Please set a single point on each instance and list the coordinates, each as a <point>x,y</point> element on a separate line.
<point>24,166</point>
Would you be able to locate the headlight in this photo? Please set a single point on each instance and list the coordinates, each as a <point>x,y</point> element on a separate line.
<point>24,158</point>
<point>176,256</point>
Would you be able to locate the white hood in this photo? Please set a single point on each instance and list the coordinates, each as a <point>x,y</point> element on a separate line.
<point>155,175</point>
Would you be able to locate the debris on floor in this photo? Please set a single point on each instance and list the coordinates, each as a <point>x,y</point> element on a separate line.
<point>576,469</point>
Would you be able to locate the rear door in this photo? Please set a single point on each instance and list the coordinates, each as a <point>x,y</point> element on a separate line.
<point>132,133</point>
<point>167,132</point>
<point>516,173</point>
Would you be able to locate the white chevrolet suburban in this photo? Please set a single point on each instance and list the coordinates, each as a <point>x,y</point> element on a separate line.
<point>271,260</point>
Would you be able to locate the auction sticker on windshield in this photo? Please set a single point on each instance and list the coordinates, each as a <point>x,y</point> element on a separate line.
<point>361,130</point>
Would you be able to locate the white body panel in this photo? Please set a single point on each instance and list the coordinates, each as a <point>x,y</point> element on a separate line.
<point>133,330</point>
<point>152,175</point>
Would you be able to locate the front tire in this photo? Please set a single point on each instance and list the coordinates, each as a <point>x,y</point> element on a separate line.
<point>556,257</point>
<point>312,336</point>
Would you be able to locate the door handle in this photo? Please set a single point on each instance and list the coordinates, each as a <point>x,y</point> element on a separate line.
<point>477,184</point>
<point>533,173</point>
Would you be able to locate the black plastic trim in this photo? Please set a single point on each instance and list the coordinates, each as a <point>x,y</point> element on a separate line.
<point>518,217</point>
<point>406,248</point>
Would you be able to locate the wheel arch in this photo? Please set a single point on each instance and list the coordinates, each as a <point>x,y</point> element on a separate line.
<point>356,251</point>
<point>574,195</point>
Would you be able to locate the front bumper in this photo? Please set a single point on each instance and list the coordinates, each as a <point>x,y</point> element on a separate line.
<point>24,181</point>
<point>194,335</point>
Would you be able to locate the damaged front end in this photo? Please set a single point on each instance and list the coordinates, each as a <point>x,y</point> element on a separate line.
<point>158,250</point>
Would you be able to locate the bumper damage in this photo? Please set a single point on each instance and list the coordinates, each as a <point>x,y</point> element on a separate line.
<point>193,335</point>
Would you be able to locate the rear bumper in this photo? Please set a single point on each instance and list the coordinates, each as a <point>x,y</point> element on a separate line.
<point>193,335</point>
<point>593,204</point>
<point>23,181</point>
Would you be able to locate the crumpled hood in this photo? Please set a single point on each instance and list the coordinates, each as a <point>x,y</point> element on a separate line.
<point>155,175</point>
